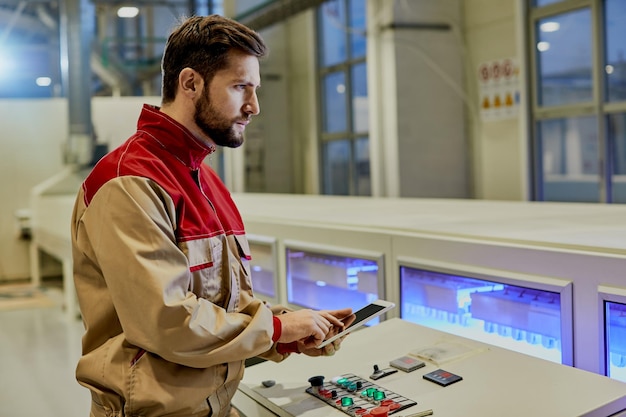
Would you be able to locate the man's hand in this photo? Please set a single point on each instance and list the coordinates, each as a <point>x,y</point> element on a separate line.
<point>328,350</point>
<point>310,327</point>
<point>346,318</point>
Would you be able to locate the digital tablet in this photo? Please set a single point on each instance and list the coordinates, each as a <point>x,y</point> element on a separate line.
<point>363,315</point>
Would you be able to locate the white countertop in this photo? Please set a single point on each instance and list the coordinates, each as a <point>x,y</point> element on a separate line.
<point>589,227</point>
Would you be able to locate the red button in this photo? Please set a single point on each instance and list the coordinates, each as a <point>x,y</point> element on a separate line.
<point>379,412</point>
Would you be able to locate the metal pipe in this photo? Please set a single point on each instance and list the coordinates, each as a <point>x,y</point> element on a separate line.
<point>77,30</point>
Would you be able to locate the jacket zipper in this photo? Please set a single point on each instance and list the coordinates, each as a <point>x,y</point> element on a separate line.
<point>195,174</point>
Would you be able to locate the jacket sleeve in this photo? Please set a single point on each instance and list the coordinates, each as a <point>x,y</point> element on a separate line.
<point>128,232</point>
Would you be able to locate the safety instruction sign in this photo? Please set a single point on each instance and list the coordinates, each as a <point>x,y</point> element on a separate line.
<point>499,89</point>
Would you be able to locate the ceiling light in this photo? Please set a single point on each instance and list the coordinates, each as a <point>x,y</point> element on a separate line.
<point>43,81</point>
<point>127,12</point>
<point>549,26</point>
<point>543,46</point>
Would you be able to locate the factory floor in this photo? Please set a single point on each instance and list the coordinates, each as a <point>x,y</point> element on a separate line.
<point>39,348</point>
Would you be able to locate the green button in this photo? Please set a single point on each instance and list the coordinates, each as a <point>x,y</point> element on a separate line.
<point>342,381</point>
<point>379,395</point>
<point>370,392</point>
<point>347,401</point>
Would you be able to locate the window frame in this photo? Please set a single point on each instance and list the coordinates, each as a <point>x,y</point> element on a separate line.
<point>346,66</point>
<point>598,107</point>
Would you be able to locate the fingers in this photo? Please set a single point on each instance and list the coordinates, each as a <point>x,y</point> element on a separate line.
<point>328,350</point>
<point>313,327</point>
<point>348,320</point>
<point>331,348</point>
<point>304,324</point>
<point>337,317</point>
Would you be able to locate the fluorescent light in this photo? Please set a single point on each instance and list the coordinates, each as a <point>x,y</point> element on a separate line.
<point>127,12</point>
<point>43,81</point>
<point>549,26</point>
<point>543,46</point>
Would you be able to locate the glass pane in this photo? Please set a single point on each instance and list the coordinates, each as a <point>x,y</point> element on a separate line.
<point>336,161</point>
<point>335,111</point>
<point>28,72</point>
<point>615,48</point>
<point>615,329</point>
<point>540,3</point>
<point>263,269</point>
<point>360,102</point>
<point>564,58</point>
<point>324,281</point>
<point>332,33</point>
<point>217,7</point>
<point>570,159</point>
<point>522,319</point>
<point>617,139</point>
<point>358,41</point>
<point>362,168</point>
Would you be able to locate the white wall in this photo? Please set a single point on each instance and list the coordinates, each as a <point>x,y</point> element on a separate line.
<point>33,132</point>
<point>31,151</point>
<point>115,118</point>
<point>500,157</point>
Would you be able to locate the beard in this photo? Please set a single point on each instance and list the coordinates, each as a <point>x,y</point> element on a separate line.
<point>220,129</point>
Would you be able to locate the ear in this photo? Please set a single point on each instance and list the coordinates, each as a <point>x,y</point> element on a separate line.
<point>190,82</point>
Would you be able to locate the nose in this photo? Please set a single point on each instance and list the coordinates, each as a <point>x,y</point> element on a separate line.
<point>251,106</point>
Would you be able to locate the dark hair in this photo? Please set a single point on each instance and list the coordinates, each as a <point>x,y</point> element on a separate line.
<point>203,43</point>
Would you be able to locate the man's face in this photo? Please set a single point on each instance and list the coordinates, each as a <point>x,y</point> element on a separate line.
<point>229,101</point>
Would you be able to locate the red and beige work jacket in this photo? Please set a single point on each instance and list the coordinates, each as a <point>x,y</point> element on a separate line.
<point>161,267</point>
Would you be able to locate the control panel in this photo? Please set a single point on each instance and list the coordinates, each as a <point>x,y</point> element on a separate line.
<point>446,384</point>
<point>357,397</point>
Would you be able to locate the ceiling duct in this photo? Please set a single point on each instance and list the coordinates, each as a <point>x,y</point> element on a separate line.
<point>76,32</point>
<point>275,11</point>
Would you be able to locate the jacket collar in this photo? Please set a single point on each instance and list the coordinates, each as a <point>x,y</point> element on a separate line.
<point>173,136</point>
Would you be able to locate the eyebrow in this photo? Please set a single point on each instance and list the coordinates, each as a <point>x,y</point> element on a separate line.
<point>240,80</point>
<point>248,83</point>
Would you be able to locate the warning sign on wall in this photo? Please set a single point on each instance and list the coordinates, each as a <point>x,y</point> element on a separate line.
<point>499,89</point>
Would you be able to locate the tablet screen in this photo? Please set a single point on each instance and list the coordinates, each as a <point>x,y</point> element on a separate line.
<point>365,313</point>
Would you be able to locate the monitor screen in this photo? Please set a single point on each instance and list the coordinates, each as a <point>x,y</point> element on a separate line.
<point>523,319</point>
<point>325,281</point>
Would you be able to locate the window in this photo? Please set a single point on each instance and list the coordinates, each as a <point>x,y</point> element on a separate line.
<point>579,100</point>
<point>564,71</point>
<point>344,99</point>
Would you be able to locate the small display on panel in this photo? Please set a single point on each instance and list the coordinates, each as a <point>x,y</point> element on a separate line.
<point>263,269</point>
<point>615,323</point>
<point>326,281</point>
<point>523,319</point>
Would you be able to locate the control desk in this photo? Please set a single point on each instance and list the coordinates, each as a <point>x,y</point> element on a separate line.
<point>482,380</point>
